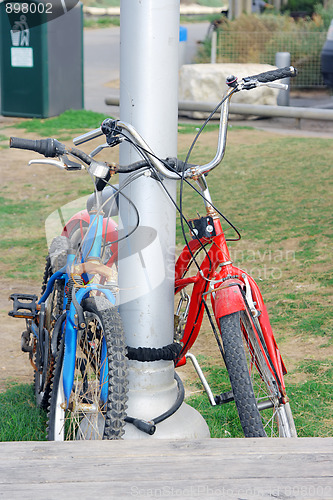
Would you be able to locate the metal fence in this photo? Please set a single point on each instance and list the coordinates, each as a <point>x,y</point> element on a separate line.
<point>254,47</point>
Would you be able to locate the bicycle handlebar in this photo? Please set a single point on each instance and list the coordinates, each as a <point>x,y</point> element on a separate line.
<point>50,148</point>
<point>81,155</point>
<point>47,147</point>
<point>271,76</point>
<point>88,136</point>
<point>195,170</point>
<point>113,128</point>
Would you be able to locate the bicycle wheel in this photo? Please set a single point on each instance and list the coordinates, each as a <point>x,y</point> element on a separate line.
<point>256,393</point>
<point>97,405</point>
<point>43,358</point>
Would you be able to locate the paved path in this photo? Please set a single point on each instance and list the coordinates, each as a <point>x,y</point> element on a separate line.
<point>102,63</point>
<point>101,66</point>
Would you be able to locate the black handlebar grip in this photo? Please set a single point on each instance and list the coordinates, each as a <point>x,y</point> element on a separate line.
<point>271,76</point>
<point>47,147</point>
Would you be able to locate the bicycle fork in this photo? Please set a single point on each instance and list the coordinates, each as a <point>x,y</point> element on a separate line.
<point>235,295</point>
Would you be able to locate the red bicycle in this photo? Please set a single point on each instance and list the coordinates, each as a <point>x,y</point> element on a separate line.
<point>243,331</point>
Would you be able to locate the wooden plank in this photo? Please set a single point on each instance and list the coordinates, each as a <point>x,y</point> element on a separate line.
<point>130,448</point>
<point>208,489</point>
<point>211,468</point>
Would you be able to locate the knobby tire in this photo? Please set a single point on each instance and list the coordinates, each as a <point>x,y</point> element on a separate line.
<point>252,382</point>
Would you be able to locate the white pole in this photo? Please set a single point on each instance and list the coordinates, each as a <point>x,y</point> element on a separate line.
<point>282,59</point>
<point>231,9</point>
<point>149,37</point>
<point>213,48</point>
<point>238,8</point>
<point>248,6</point>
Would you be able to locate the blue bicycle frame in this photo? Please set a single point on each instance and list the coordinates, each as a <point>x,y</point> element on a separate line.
<point>91,249</point>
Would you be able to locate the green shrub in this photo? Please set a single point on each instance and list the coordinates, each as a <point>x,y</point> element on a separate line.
<point>256,39</point>
<point>325,14</point>
<point>302,6</point>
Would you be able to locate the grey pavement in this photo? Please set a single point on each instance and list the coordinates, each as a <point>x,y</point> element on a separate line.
<point>102,63</point>
<point>101,67</point>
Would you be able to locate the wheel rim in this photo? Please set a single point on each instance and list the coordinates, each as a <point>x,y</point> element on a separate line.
<point>84,416</point>
<point>59,412</point>
<point>265,387</point>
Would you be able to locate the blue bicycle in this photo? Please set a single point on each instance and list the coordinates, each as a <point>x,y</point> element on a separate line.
<point>74,333</point>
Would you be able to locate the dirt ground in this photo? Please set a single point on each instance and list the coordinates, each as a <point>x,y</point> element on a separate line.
<point>14,364</point>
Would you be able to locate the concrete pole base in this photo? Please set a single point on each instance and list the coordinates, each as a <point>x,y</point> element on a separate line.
<point>186,423</point>
<point>152,391</point>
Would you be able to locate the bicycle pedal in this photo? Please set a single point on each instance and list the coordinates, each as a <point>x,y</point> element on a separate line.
<point>24,306</point>
<point>225,397</point>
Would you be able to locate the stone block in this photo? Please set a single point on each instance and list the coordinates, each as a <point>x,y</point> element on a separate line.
<point>206,83</point>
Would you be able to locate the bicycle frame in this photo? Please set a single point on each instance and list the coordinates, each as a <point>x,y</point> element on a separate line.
<point>91,251</point>
<point>236,301</point>
<point>82,218</point>
<point>226,287</point>
<point>230,288</point>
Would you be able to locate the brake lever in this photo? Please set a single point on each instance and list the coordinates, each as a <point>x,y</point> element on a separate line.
<point>275,85</point>
<point>98,149</point>
<point>56,163</point>
<point>251,84</point>
<point>63,165</point>
<point>116,140</point>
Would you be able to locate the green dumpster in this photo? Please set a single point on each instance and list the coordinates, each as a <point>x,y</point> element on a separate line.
<point>41,60</point>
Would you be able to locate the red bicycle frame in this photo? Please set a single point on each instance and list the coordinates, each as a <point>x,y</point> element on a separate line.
<point>218,277</point>
<point>227,288</point>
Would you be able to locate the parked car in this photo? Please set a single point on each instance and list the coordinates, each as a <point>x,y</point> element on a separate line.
<point>326,58</point>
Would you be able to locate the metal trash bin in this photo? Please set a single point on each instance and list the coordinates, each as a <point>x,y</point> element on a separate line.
<point>41,61</point>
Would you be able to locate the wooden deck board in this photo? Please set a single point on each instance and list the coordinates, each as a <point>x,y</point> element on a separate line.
<point>211,468</point>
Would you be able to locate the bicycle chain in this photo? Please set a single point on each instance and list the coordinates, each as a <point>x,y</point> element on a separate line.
<point>46,273</point>
<point>58,308</point>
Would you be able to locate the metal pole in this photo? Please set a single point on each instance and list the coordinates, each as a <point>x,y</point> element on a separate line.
<point>213,47</point>
<point>238,6</point>
<point>149,38</point>
<point>282,59</point>
<point>248,6</point>
<point>231,9</point>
